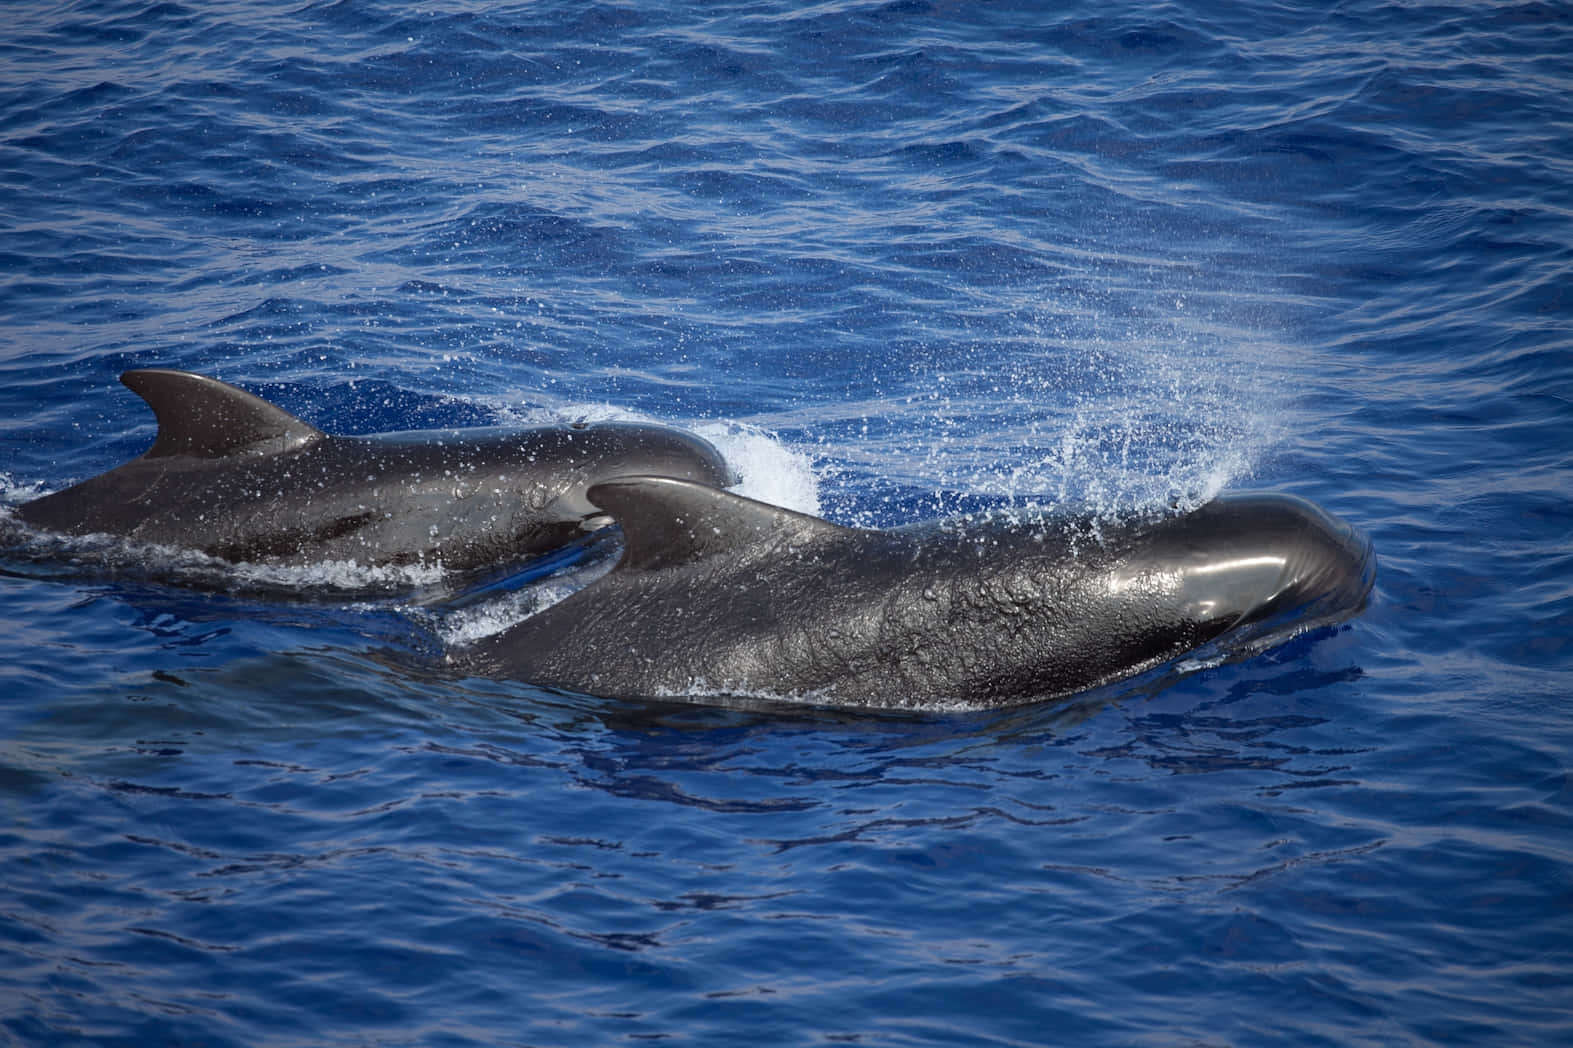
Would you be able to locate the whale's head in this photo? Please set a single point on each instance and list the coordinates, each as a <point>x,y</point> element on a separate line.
<point>1264,564</point>
<point>596,453</point>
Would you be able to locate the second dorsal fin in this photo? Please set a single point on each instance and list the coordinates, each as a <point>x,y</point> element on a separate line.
<point>202,417</point>
<point>667,522</point>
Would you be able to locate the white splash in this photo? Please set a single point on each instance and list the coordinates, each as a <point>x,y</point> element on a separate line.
<point>14,492</point>
<point>463,624</point>
<point>767,469</point>
<point>345,575</point>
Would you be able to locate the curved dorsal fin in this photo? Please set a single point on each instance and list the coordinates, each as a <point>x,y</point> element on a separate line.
<point>667,521</point>
<point>205,418</point>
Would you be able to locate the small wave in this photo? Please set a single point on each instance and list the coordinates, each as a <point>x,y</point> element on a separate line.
<point>462,627</point>
<point>112,556</point>
<point>14,492</point>
<point>490,609</point>
<point>342,575</point>
<point>767,468</point>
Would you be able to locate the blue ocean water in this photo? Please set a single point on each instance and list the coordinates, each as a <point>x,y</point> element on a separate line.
<point>901,260</point>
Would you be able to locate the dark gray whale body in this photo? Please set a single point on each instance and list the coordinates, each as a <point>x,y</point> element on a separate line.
<point>716,594</point>
<point>243,480</point>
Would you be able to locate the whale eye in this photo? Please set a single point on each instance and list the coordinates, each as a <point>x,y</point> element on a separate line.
<point>581,424</point>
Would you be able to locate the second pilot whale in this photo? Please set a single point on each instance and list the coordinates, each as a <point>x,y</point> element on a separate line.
<point>243,480</point>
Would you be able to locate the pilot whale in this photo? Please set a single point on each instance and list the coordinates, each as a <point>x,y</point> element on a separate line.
<point>241,479</point>
<point>719,595</point>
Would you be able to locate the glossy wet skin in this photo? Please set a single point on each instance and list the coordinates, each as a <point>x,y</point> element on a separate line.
<point>240,479</point>
<point>717,596</point>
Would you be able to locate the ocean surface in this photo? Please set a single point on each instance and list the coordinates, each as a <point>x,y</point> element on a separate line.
<point>899,261</point>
